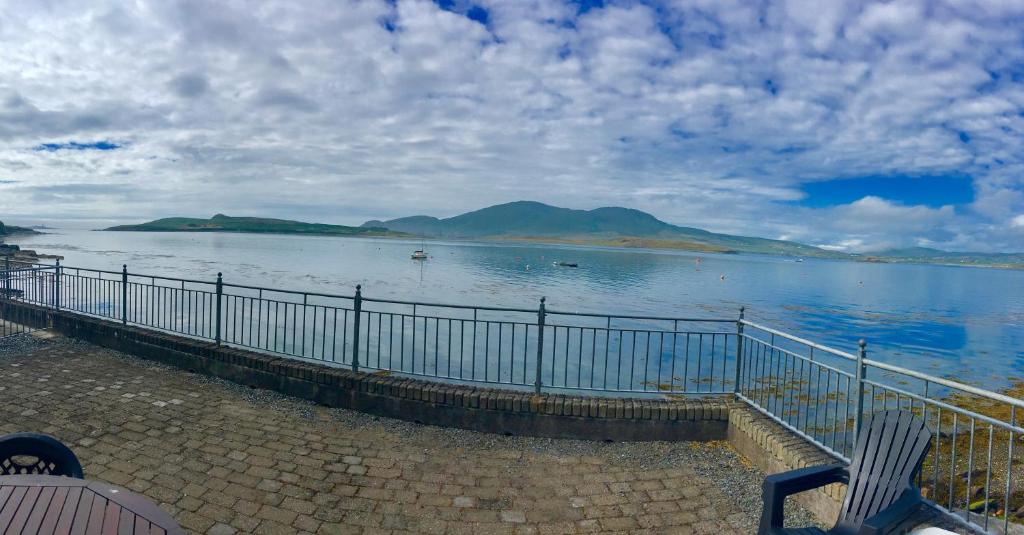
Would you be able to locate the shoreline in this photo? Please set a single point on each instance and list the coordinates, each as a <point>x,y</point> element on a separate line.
<point>643,244</point>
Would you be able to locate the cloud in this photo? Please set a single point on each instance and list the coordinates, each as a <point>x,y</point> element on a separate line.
<point>189,85</point>
<point>285,99</point>
<point>868,224</point>
<point>77,192</point>
<point>706,113</point>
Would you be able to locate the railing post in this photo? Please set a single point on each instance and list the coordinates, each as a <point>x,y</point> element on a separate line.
<point>739,350</point>
<point>56,285</point>
<point>861,371</point>
<point>7,276</point>
<point>124,294</point>
<point>357,307</point>
<point>220,294</point>
<point>541,314</point>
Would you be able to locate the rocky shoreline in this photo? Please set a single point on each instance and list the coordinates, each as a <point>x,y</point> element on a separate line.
<point>17,256</point>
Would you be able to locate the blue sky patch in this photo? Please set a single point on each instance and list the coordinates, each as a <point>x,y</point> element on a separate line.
<point>76,145</point>
<point>479,14</point>
<point>932,190</point>
<point>472,12</point>
<point>587,5</point>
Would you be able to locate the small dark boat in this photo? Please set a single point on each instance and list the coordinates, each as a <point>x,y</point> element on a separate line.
<point>567,264</point>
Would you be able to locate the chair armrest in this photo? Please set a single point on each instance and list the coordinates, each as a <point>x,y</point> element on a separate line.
<point>894,517</point>
<point>808,478</point>
<point>778,486</point>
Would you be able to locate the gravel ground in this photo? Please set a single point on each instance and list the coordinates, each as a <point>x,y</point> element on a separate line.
<point>738,482</point>
<point>18,343</point>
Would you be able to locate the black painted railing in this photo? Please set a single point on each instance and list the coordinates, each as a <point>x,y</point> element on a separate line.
<point>539,348</point>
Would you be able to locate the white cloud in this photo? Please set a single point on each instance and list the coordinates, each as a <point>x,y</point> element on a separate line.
<point>873,223</point>
<point>705,113</point>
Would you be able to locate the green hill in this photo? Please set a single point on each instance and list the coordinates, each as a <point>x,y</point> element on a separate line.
<point>601,226</point>
<point>223,223</point>
<point>537,222</point>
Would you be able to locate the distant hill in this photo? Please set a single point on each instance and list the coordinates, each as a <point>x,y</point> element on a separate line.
<point>613,226</point>
<point>223,223</point>
<point>526,221</point>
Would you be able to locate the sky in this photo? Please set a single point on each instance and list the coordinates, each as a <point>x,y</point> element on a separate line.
<point>856,126</point>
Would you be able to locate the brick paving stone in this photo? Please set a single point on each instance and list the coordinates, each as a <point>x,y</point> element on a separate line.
<point>221,529</point>
<point>225,459</point>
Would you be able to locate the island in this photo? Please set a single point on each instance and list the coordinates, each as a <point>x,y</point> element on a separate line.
<point>535,222</point>
<point>629,228</point>
<point>613,226</point>
<point>258,225</point>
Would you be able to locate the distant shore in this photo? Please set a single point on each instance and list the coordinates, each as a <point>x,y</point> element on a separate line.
<point>625,243</point>
<point>939,262</point>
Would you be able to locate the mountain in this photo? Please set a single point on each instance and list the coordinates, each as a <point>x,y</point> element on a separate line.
<point>223,223</point>
<point>527,220</point>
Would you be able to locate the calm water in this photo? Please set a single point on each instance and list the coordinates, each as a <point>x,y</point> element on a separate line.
<point>965,323</point>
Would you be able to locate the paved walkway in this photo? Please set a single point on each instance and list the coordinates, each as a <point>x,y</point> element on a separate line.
<point>224,459</point>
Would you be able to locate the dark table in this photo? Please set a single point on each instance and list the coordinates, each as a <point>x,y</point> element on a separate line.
<point>52,504</point>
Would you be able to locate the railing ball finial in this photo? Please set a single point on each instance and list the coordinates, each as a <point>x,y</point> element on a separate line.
<point>862,343</point>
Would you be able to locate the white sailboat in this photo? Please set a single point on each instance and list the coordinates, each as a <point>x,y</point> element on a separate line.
<point>420,254</point>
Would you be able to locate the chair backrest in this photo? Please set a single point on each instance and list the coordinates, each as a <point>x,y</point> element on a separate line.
<point>888,455</point>
<point>34,453</point>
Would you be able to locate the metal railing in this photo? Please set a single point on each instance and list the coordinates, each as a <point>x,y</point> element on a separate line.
<point>823,394</point>
<point>818,392</point>
<point>22,283</point>
<point>515,347</point>
<point>16,320</point>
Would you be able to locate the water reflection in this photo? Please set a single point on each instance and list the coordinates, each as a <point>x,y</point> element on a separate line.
<point>959,322</point>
